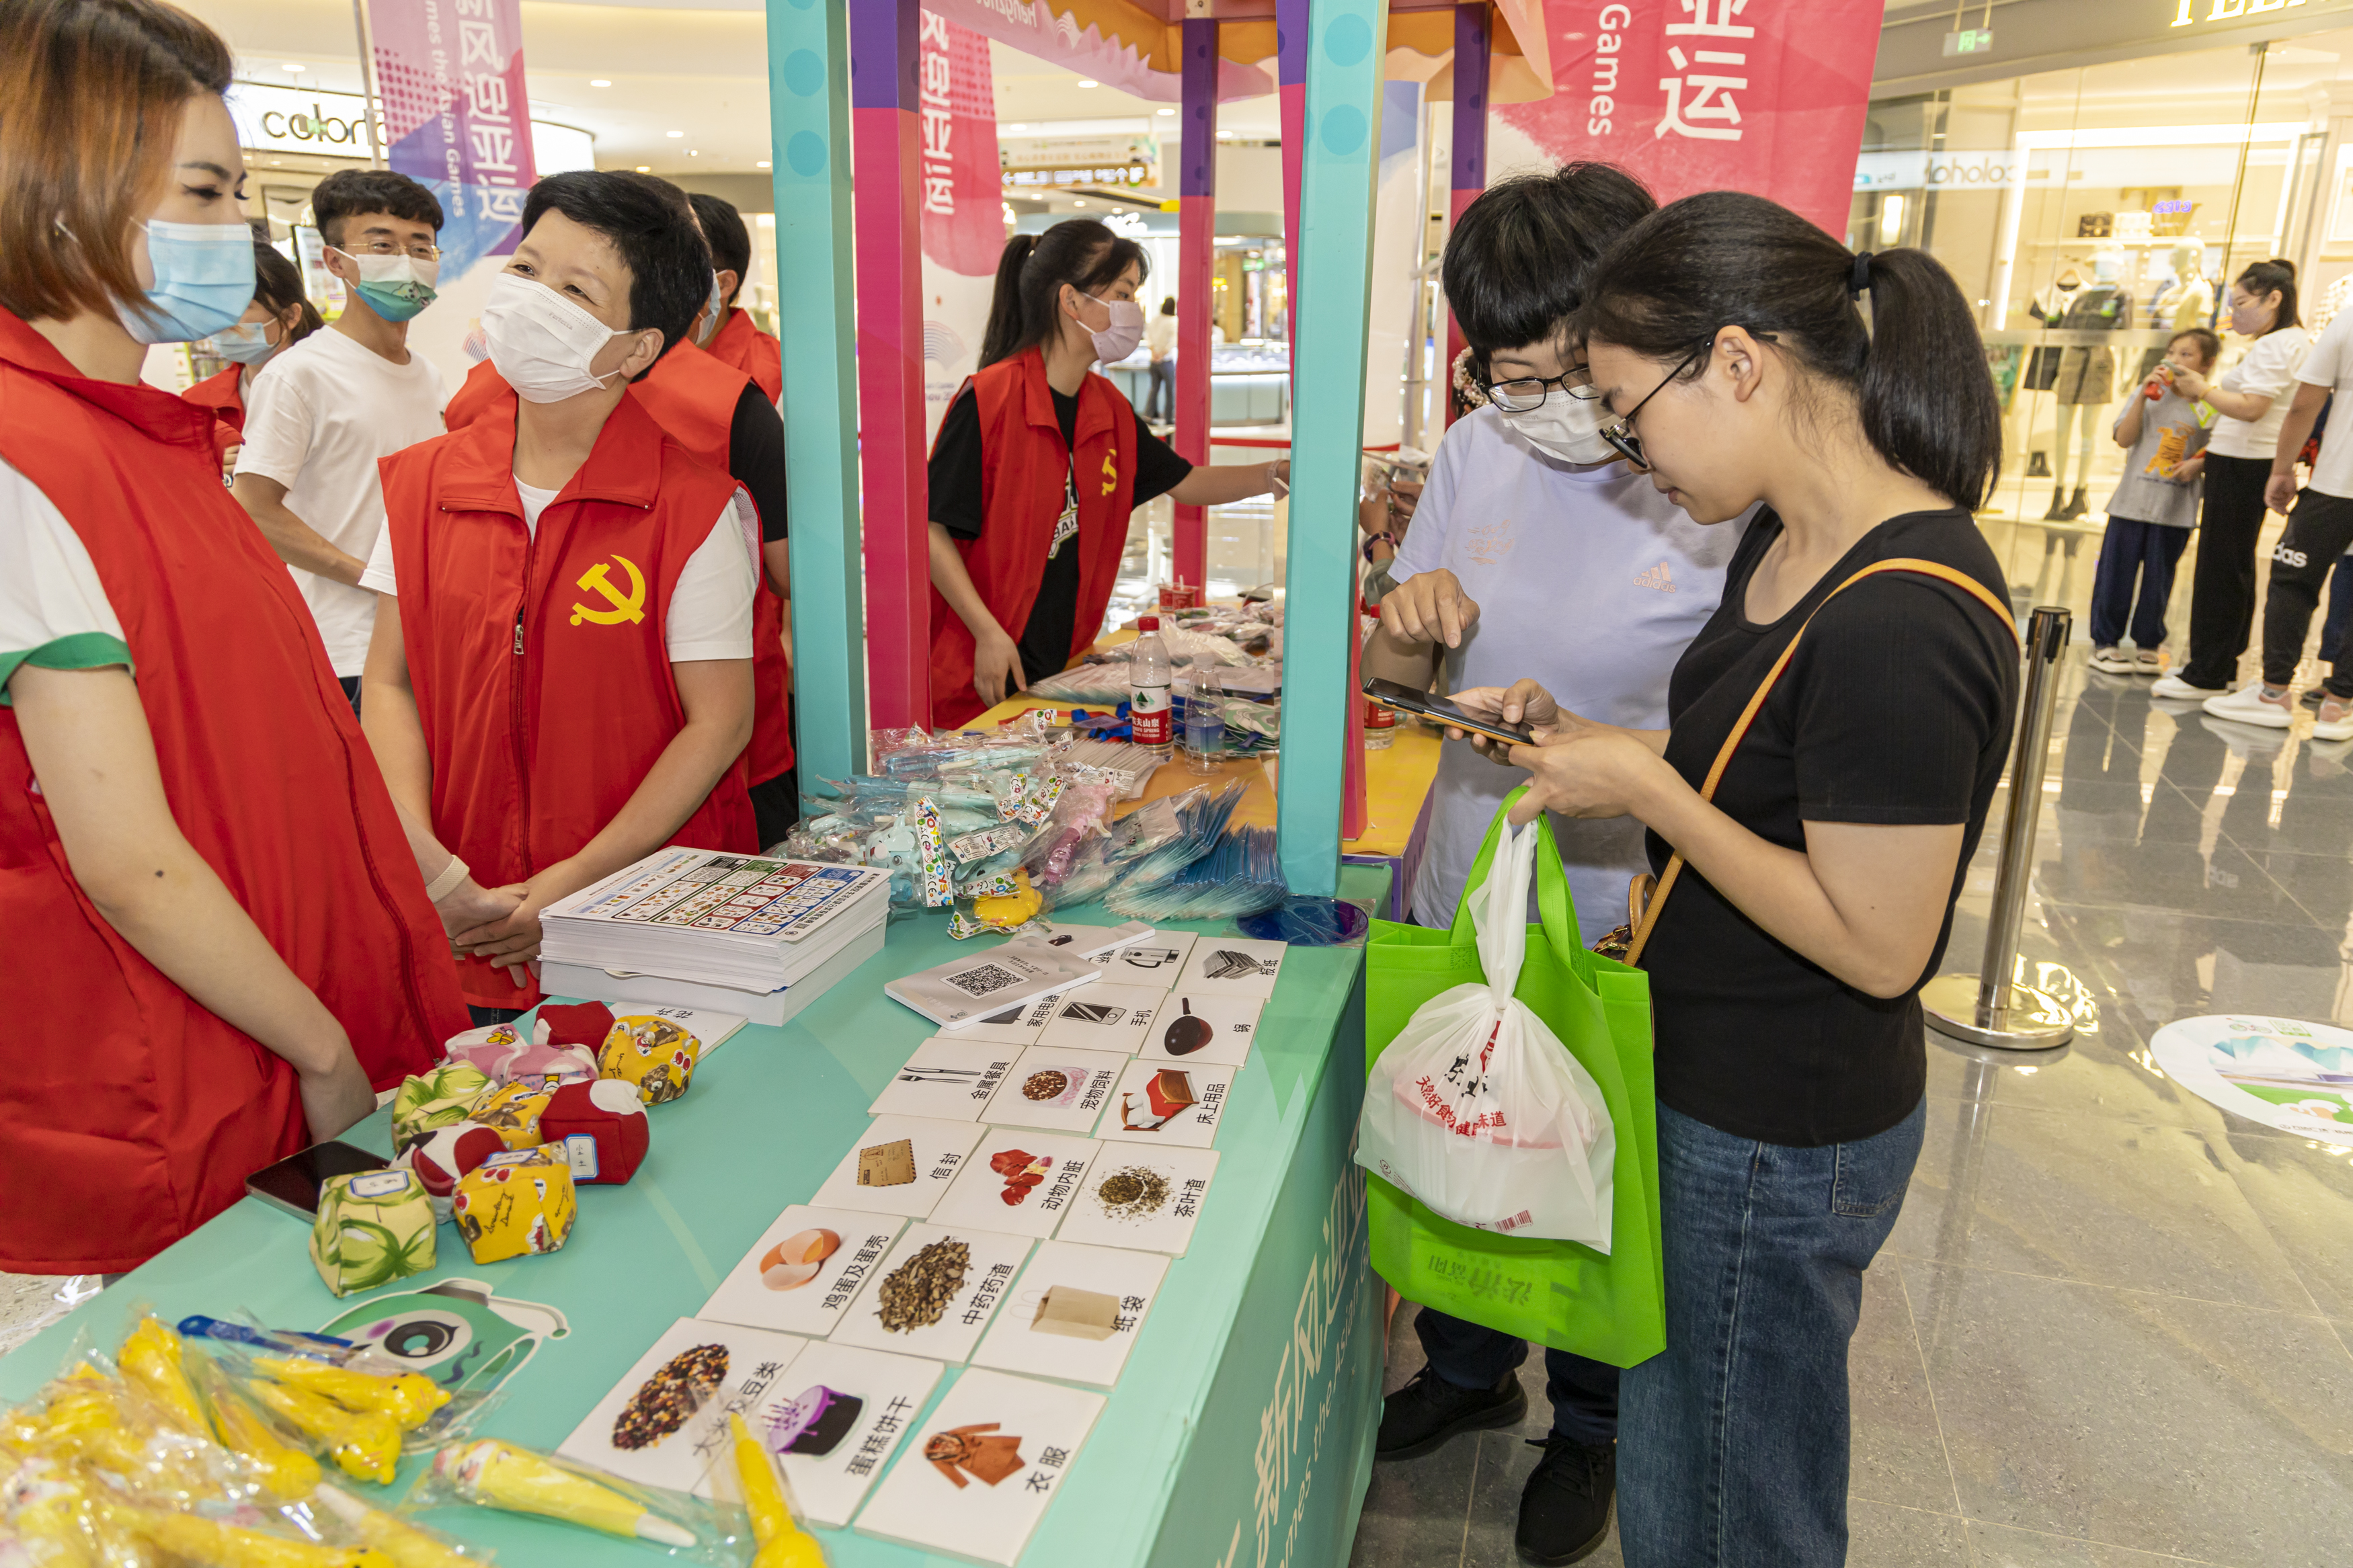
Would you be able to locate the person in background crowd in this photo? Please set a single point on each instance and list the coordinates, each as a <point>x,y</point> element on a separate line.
<point>1160,343</point>
<point>2238,465</point>
<point>1037,465</point>
<point>726,330</point>
<point>1535,550</point>
<point>1816,889</point>
<point>2154,509</point>
<point>321,413</point>
<point>561,677</point>
<point>280,316</point>
<point>221,951</point>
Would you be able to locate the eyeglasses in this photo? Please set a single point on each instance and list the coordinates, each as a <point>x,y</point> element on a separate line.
<point>1525,393</point>
<point>388,248</point>
<point>1619,432</point>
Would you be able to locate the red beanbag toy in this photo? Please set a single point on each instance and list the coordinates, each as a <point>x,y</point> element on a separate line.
<point>574,1023</point>
<point>600,1127</point>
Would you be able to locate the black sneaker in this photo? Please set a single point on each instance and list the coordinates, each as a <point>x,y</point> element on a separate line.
<point>1425,1412</point>
<point>1565,1509</point>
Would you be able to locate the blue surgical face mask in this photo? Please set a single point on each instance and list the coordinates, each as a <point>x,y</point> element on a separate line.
<point>243,343</point>
<point>706,326</point>
<point>204,281</point>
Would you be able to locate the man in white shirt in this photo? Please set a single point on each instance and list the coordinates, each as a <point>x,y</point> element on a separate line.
<point>323,413</point>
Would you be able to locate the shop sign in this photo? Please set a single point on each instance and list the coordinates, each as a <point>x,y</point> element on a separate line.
<point>449,76</point>
<point>287,119</point>
<point>1055,163</point>
<point>1917,169</point>
<point>2192,12</point>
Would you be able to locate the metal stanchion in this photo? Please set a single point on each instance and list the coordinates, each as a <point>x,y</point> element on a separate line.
<point>1989,1008</point>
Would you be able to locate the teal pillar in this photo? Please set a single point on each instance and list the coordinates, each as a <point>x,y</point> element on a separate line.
<point>1347,41</point>
<point>809,120</point>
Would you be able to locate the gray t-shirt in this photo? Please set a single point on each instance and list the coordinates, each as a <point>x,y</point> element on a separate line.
<point>2172,431</point>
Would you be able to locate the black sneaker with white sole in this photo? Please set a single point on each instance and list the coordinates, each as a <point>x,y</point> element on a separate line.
<point>1419,1417</point>
<point>1564,1508</point>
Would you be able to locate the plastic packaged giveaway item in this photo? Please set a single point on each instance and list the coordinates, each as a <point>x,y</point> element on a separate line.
<point>1477,1109</point>
<point>488,1473</point>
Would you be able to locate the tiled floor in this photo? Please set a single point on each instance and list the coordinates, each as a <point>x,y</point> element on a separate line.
<point>2112,1327</point>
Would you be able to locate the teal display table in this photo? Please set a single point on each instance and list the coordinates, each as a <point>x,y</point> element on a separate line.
<point>1240,1433</point>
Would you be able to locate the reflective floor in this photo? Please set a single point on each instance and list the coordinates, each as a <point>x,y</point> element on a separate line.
<point>2112,1327</point>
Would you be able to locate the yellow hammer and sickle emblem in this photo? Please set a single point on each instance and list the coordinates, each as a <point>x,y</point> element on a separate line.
<point>1110,470</point>
<point>628,607</point>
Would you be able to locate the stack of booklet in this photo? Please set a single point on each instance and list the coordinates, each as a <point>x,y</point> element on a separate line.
<point>747,934</point>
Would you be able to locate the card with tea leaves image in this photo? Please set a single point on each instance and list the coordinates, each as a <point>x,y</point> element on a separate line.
<point>1145,1198</point>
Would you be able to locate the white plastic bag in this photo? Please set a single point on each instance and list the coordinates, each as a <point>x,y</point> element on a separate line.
<point>1476,1108</point>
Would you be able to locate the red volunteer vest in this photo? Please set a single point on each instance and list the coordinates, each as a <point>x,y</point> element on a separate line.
<point>751,350</point>
<point>225,399</point>
<point>1023,465</point>
<point>131,1115</point>
<point>692,397</point>
<point>541,677</point>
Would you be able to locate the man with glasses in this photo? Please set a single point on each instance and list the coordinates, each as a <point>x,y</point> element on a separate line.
<point>321,413</point>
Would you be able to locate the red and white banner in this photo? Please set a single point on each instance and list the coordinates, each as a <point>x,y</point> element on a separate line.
<point>963,211</point>
<point>1765,95</point>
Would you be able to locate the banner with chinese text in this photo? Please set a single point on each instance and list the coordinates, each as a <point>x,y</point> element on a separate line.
<point>963,205</point>
<point>450,77</point>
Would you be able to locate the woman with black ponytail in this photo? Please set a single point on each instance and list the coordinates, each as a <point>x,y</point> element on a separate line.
<point>1037,466</point>
<point>1836,732</point>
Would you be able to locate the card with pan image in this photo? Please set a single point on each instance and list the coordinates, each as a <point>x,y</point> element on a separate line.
<point>1216,1030</point>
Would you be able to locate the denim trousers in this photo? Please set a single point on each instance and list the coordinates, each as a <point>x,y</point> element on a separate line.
<point>1584,1393</point>
<point>1733,1442</point>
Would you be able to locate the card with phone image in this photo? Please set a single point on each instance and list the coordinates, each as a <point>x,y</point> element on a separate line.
<point>1104,1016</point>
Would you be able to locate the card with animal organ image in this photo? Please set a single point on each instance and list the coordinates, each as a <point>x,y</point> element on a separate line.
<point>1018,1180</point>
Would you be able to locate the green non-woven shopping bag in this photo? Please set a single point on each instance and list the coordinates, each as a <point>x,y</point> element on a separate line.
<point>1557,1293</point>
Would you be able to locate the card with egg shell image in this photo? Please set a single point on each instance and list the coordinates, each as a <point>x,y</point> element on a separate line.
<point>980,1471</point>
<point>1155,960</point>
<point>1018,1180</point>
<point>1056,1090</point>
<point>665,1421</point>
<point>900,1164</point>
<point>1148,1199</point>
<point>934,1291</point>
<point>1103,1017</point>
<point>1075,1313</point>
<point>1013,1026</point>
<point>1161,1102</point>
<point>848,1411</point>
<point>949,1078</point>
<point>1233,966</point>
<point>1213,1029</point>
<point>805,1270</point>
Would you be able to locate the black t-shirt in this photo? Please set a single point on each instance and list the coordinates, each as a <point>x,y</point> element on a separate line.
<point>756,458</point>
<point>954,476</point>
<point>1896,709</point>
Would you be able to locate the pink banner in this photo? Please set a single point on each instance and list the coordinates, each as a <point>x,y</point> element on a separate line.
<point>1037,28</point>
<point>963,213</point>
<point>1765,96</point>
<point>458,117</point>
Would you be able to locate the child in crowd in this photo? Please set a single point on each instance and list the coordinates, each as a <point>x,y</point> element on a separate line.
<point>2154,506</point>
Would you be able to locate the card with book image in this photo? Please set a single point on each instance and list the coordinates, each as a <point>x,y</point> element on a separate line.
<point>1233,966</point>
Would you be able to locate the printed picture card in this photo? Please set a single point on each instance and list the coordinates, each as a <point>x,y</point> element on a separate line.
<point>1018,1180</point>
<point>666,1420</point>
<point>1103,1017</point>
<point>949,1079</point>
<point>1088,941</point>
<point>900,1164</point>
<point>982,1470</point>
<point>1056,1089</point>
<point>1216,1029</point>
<point>1074,1314</point>
<point>846,1413</point>
<point>934,1292</point>
<point>1156,959</point>
<point>804,1271</point>
<point>1016,1025</point>
<point>1233,966</point>
<point>1145,1198</point>
<point>1157,1102</point>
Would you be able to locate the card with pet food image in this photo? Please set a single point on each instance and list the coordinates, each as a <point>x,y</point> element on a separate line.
<point>1103,1017</point>
<point>1075,1314</point>
<point>848,1411</point>
<point>900,1164</point>
<point>1233,966</point>
<point>1159,1103</point>
<point>1018,1180</point>
<point>936,1290</point>
<point>804,1271</point>
<point>665,1421</point>
<point>949,1078</point>
<point>1212,1030</point>
<point>981,1471</point>
<point>1056,1090</point>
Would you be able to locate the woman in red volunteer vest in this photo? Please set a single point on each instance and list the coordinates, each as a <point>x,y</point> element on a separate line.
<point>280,317</point>
<point>560,680</point>
<point>217,946</point>
<point>1038,464</point>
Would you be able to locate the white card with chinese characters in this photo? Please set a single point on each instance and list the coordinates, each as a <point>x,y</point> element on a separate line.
<point>1075,1313</point>
<point>1155,960</point>
<point>1145,1198</point>
<point>1103,1017</point>
<point>804,1271</point>
<point>1216,1030</point>
<point>847,1410</point>
<point>1233,966</point>
<point>900,1164</point>
<point>1014,1025</point>
<point>1164,1102</point>
<point>938,1301</point>
<point>1018,1180</point>
<point>974,1478</point>
<point>949,1078</point>
<point>1056,1090</point>
<point>666,1420</point>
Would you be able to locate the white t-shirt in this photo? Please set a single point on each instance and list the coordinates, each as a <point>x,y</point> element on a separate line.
<point>710,612</point>
<point>1590,582</point>
<point>1160,336</point>
<point>2330,364</point>
<point>53,610</point>
<point>317,419</point>
<point>2269,370</point>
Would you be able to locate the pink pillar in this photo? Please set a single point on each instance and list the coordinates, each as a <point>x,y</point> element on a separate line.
<point>1196,224</point>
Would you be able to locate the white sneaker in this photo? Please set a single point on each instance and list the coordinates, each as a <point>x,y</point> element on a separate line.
<point>2112,661</point>
<point>2248,705</point>
<point>2336,721</point>
<point>2173,686</point>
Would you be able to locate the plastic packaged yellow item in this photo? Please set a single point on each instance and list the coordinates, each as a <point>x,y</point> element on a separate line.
<point>404,1543</point>
<point>500,1475</point>
<point>362,1445</point>
<point>290,1474</point>
<point>409,1398</point>
<point>49,1511</point>
<point>783,1543</point>
<point>219,1545</point>
<point>151,1360</point>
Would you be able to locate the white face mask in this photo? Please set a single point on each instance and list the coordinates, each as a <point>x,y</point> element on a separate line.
<point>542,343</point>
<point>1117,341</point>
<point>1563,426</point>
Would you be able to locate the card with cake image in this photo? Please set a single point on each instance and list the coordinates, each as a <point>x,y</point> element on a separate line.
<point>1018,1180</point>
<point>849,1412</point>
<point>1148,1199</point>
<point>1155,960</point>
<point>1233,966</point>
<point>980,1471</point>
<point>1216,1029</point>
<point>900,1164</point>
<point>934,1291</point>
<point>1075,1314</point>
<point>949,1078</point>
<point>804,1271</point>
<point>1017,1025</point>
<point>1103,1017</point>
<point>1158,1103</point>
<point>1056,1089</point>
<point>665,1421</point>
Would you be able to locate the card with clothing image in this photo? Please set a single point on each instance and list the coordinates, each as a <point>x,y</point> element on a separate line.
<point>1233,966</point>
<point>1215,1029</point>
<point>977,1476</point>
<point>1103,1017</point>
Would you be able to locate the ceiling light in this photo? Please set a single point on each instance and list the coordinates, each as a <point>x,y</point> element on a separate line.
<point>674,134</point>
<point>645,168</point>
<point>291,66</point>
<point>598,81</point>
<point>1166,111</point>
<point>763,163</point>
<point>1017,129</point>
<point>1085,82</point>
<point>692,154</point>
<point>1078,204</point>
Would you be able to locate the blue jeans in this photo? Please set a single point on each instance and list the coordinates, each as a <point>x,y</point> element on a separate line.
<point>1160,397</point>
<point>1584,1393</point>
<point>1732,1449</point>
<point>2340,612</point>
<point>2127,549</point>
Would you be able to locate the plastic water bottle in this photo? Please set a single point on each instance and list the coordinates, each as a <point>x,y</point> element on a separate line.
<point>1149,674</point>
<point>1205,721</point>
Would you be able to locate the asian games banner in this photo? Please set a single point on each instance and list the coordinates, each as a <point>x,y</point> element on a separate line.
<point>962,212</point>
<point>450,77</point>
<point>1765,95</point>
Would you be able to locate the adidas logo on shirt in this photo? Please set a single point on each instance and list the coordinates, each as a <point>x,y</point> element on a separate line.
<point>1658,577</point>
